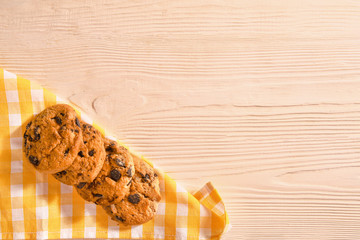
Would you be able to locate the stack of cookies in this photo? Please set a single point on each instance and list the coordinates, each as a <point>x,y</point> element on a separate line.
<point>101,170</point>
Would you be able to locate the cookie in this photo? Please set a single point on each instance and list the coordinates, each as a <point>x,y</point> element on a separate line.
<point>89,160</point>
<point>140,204</point>
<point>53,138</point>
<point>113,181</point>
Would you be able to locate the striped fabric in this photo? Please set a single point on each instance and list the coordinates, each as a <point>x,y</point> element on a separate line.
<point>36,206</point>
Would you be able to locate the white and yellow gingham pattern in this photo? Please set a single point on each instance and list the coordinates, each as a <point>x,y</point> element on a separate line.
<point>36,206</point>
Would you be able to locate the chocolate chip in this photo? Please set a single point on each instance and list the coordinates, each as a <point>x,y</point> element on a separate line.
<point>25,135</point>
<point>119,218</point>
<point>62,114</point>
<point>57,120</point>
<point>31,139</point>
<point>28,147</point>
<point>129,182</point>
<point>81,185</point>
<point>115,175</point>
<point>34,160</point>
<point>85,142</point>
<point>145,178</point>
<point>28,125</point>
<point>91,152</point>
<point>60,174</point>
<point>97,195</point>
<point>129,172</point>
<point>155,175</point>
<point>119,162</point>
<point>77,131</point>
<point>25,140</point>
<point>109,149</point>
<point>134,199</point>
<point>66,151</point>
<point>77,122</point>
<point>36,135</point>
<point>81,154</point>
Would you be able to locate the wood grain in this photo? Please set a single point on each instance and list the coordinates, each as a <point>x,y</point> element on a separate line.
<point>259,97</point>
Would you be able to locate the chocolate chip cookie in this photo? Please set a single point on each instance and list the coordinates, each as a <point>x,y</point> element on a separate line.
<point>89,160</point>
<point>113,181</point>
<point>53,138</point>
<point>140,204</point>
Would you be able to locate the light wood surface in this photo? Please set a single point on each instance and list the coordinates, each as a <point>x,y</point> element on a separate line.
<point>260,97</point>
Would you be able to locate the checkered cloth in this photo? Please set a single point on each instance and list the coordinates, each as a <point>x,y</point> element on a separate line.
<point>35,205</point>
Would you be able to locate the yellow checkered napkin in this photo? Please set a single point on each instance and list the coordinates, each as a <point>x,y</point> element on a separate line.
<point>35,205</point>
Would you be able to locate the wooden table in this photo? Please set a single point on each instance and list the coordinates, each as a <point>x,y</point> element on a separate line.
<point>260,97</point>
